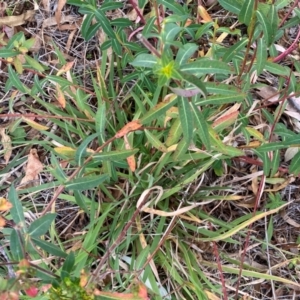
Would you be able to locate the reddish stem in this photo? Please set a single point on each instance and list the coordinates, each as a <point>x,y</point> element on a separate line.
<point>133,3</point>
<point>289,49</point>
<point>216,253</point>
<point>288,13</point>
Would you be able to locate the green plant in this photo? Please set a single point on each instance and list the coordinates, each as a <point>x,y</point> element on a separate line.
<point>158,125</point>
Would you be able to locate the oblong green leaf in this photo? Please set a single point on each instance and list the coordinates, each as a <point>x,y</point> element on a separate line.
<point>81,152</point>
<point>173,6</point>
<point>295,164</point>
<point>266,26</point>
<point>81,201</point>
<point>202,127</point>
<point>14,79</point>
<point>170,31</point>
<point>220,99</point>
<point>86,183</point>
<point>41,225</point>
<point>186,118</point>
<point>16,245</point>
<point>159,109</point>
<point>203,66</point>
<point>102,19</point>
<point>275,163</point>
<point>4,53</point>
<point>101,121</point>
<point>197,156</point>
<point>16,211</point>
<point>261,55</point>
<point>274,21</point>
<point>155,142</point>
<point>61,81</point>
<point>121,22</point>
<point>234,50</point>
<point>114,155</point>
<point>185,53</point>
<point>111,5</point>
<point>270,147</point>
<point>194,81</point>
<point>68,265</point>
<point>232,5</point>
<point>277,69</point>
<point>90,30</point>
<point>246,12</point>
<point>34,63</point>
<point>204,29</point>
<point>49,247</point>
<point>266,163</point>
<point>174,133</point>
<point>231,151</point>
<point>86,25</point>
<point>144,60</point>
<point>221,88</point>
<point>181,149</point>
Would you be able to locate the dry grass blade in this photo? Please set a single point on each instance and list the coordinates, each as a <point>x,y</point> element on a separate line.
<point>7,147</point>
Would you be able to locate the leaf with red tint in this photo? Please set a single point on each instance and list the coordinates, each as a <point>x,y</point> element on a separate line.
<point>227,118</point>
<point>131,126</point>
<point>32,291</point>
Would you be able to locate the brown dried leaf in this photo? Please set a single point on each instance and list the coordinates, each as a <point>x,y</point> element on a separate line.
<point>67,67</point>
<point>204,14</point>
<point>60,96</point>
<point>46,5</point>
<point>71,35</point>
<point>269,93</point>
<point>5,204</point>
<point>131,126</point>
<point>2,223</point>
<point>131,159</point>
<point>17,20</point>
<point>6,142</point>
<point>33,169</point>
<point>34,124</point>
<point>60,5</point>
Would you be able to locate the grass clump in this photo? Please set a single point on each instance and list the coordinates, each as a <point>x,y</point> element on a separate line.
<point>160,147</point>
